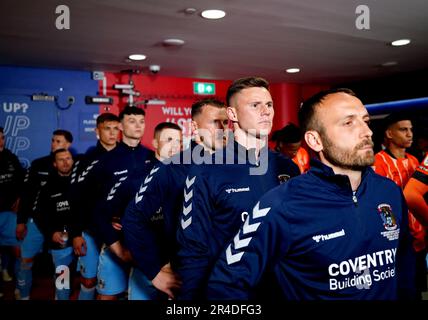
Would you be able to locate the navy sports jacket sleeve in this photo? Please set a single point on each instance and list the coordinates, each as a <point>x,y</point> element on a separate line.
<point>241,266</point>
<point>140,236</point>
<point>194,235</point>
<point>112,206</point>
<point>31,188</point>
<point>83,191</point>
<point>406,259</point>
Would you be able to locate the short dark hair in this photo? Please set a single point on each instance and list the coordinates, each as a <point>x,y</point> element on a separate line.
<point>307,110</point>
<point>394,118</point>
<point>104,117</point>
<point>59,151</point>
<point>1,129</point>
<point>244,83</point>
<point>165,125</point>
<point>128,110</point>
<point>198,105</point>
<point>66,134</point>
<point>289,134</point>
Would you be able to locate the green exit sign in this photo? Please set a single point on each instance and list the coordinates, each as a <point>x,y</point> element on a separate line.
<point>203,88</point>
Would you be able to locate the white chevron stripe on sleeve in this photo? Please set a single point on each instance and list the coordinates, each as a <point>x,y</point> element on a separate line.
<point>240,243</point>
<point>248,228</point>
<point>189,183</point>
<point>232,258</point>
<point>188,196</point>
<point>186,210</point>
<point>186,223</point>
<point>139,195</point>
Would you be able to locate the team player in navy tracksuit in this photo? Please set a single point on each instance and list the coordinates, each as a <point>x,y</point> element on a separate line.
<point>107,215</point>
<point>112,169</point>
<point>160,199</point>
<point>83,202</point>
<point>218,197</point>
<point>55,211</point>
<point>338,232</point>
<point>29,219</point>
<point>11,180</point>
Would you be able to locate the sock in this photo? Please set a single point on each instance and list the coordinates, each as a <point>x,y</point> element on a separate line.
<point>86,293</point>
<point>62,294</point>
<point>24,280</point>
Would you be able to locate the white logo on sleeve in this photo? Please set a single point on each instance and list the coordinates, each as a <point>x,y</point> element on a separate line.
<point>325,237</point>
<point>143,187</point>
<point>86,171</point>
<point>247,228</point>
<point>187,203</point>
<point>235,190</point>
<point>114,189</point>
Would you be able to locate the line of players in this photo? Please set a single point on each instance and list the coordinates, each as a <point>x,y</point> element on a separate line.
<point>155,224</point>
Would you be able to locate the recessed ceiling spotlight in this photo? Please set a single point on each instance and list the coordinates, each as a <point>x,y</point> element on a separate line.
<point>292,70</point>
<point>137,57</point>
<point>189,10</point>
<point>389,64</point>
<point>173,42</point>
<point>213,14</point>
<point>401,42</point>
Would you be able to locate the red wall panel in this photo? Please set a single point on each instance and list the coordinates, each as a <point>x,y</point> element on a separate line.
<point>177,93</point>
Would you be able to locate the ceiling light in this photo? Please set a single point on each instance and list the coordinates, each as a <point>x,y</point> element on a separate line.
<point>189,10</point>
<point>389,64</point>
<point>213,14</point>
<point>292,70</point>
<point>173,42</point>
<point>401,42</point>
<point>137,57</point>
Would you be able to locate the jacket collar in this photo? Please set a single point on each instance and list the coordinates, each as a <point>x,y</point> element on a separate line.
<point>242,155</point>
<point>326,173</point>
<point>123,145</point>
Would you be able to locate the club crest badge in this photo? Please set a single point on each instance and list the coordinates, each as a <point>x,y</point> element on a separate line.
<point>388,219</point>
<point>283,178</point>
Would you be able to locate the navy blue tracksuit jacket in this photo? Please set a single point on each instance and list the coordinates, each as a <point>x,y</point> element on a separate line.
<point>103,176</point>
<point>322,241</point>
<point>217,199</point>
<point>151,219</point>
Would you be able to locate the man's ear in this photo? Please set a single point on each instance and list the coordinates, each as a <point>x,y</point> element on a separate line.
<point>231,114</point>
<point>120,126</point>
<point>155,144</point>
<point>313,140</point>
<point>388,134</point>
<point>194,127</point>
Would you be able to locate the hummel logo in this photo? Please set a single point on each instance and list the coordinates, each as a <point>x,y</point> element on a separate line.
<point>233,190</point>
<point>188,196</point>
<point>186,223</point>
<point>113,190</point>
<point>232,258</point>
<point>247,228</point>
<point>139,195</point>
<point>120,172</point>
<point>325,237</point>
<point>189,183</point>
<point>187,208</point>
